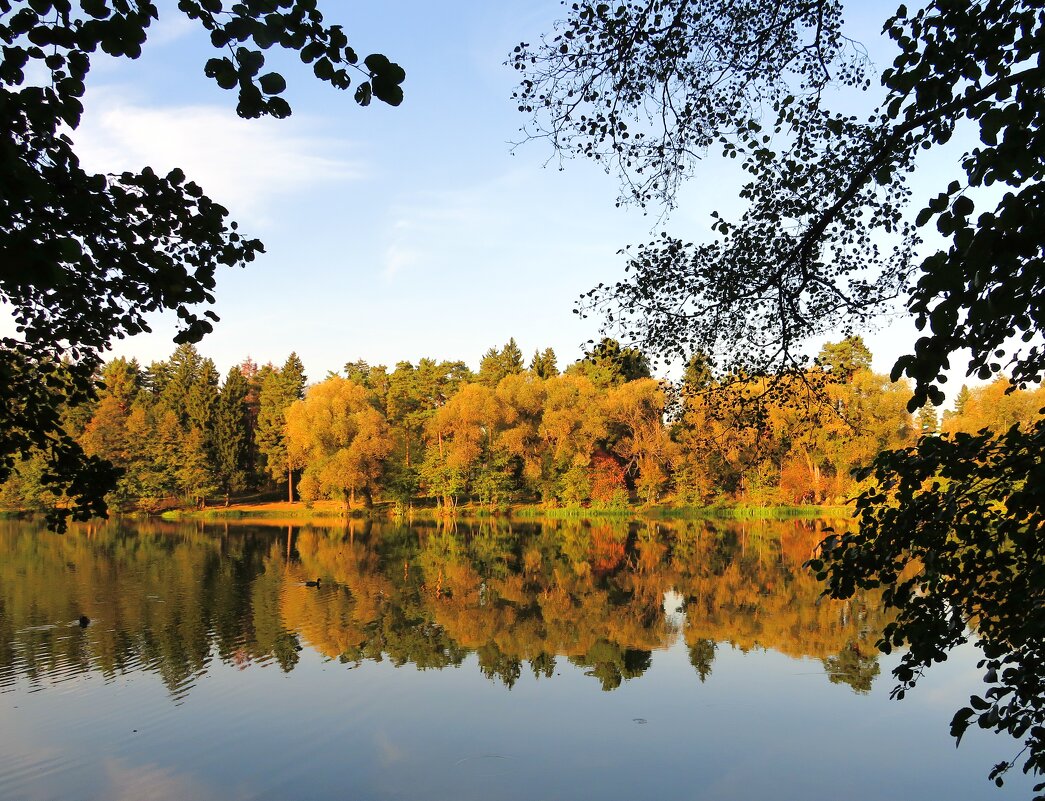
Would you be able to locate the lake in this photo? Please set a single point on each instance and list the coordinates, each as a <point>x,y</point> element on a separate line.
<point>491,660</point>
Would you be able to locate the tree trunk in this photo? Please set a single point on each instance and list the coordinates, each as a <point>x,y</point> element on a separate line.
<point>290,483</point>
<point>368,496</point>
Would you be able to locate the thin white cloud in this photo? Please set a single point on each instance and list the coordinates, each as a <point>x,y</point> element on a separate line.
<point>438,228</point>
<point>250,166</point>
<point>172,26</point>
<point>398,258</point>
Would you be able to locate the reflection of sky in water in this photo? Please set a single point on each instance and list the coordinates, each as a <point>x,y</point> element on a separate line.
<point>761,725</point>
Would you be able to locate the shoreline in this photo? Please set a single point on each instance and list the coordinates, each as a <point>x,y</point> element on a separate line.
<point>330,511</point>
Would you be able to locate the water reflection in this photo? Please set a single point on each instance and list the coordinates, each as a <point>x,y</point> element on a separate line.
<point>168,598</point>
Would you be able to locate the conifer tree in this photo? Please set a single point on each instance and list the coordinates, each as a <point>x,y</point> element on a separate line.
<point>544,364</point>
<point>177,377</point>
<point>201,403</point>
<point>194,473</point>
<point>496,364</point>
<point>232,433</point>
<point>609,365</point>
<point>279,389</point>
<point>928,422</point>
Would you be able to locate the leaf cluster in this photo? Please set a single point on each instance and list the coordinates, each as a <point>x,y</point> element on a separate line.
<point>952,531</point>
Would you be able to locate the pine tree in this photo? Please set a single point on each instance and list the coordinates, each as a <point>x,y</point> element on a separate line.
<point>195,474</point>
<point>232,433</point>
<point>496,364</point>
<point>609,365</point>
<point>544,364</point>
<point>201,402</point>
<point>961,400</point>
<point>512,358</point>
<point>846,357</point>
<point>178,377</point>
<point>279,389</point>
<point>928,422</point>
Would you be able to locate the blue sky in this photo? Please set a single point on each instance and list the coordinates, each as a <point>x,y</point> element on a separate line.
<point>399,233</point>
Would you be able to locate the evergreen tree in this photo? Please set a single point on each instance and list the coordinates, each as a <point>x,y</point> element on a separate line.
<point>194,473</point>
<point>256,377</point>
<point>232,433</point>
<point>609,365</point>
<point>928,422</point>
<point>201,402</point>
<point>697,376</point>
<point>374,379</point>
<point>544,364</point>
<point>155,378</point>
<point>87,257</point>
<point>279,389</point>
<point>121,379</point>
<point>159,474</point>
<point>846,357</point>
<point>177,378</point>
<point>961,400</point>
<point>496,364</point>
<point>512,358</point>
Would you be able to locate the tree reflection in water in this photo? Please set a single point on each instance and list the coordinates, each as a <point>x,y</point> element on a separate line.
<point>169,598</point>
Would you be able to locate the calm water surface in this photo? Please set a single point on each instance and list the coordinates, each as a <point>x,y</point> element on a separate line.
<point>556,660</point>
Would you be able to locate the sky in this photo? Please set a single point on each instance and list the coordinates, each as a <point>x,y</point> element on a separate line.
<point>396,233</point>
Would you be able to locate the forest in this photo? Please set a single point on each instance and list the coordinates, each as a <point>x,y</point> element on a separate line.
<point>601,434</point>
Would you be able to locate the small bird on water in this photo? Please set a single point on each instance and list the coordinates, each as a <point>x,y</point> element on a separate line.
<point>313,583</point>
<point>84,621</point>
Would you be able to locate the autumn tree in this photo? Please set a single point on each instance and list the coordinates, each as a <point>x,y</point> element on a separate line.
<point>106,434</point>
<point>461,456</point>
<point>573,423</point>
<point>339,439</point>
<point>518,439</point>
<point>635,414</point>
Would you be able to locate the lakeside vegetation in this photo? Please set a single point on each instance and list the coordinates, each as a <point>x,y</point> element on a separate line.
<point>600,438</point>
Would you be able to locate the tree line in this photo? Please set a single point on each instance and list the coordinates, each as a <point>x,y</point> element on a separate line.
<point>602,432</point>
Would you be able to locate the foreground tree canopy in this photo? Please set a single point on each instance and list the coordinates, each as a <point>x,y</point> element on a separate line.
<point>84,257</point>
<point>828,238</point>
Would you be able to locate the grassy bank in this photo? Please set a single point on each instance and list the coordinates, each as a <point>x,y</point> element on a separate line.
<point>296,512</point>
